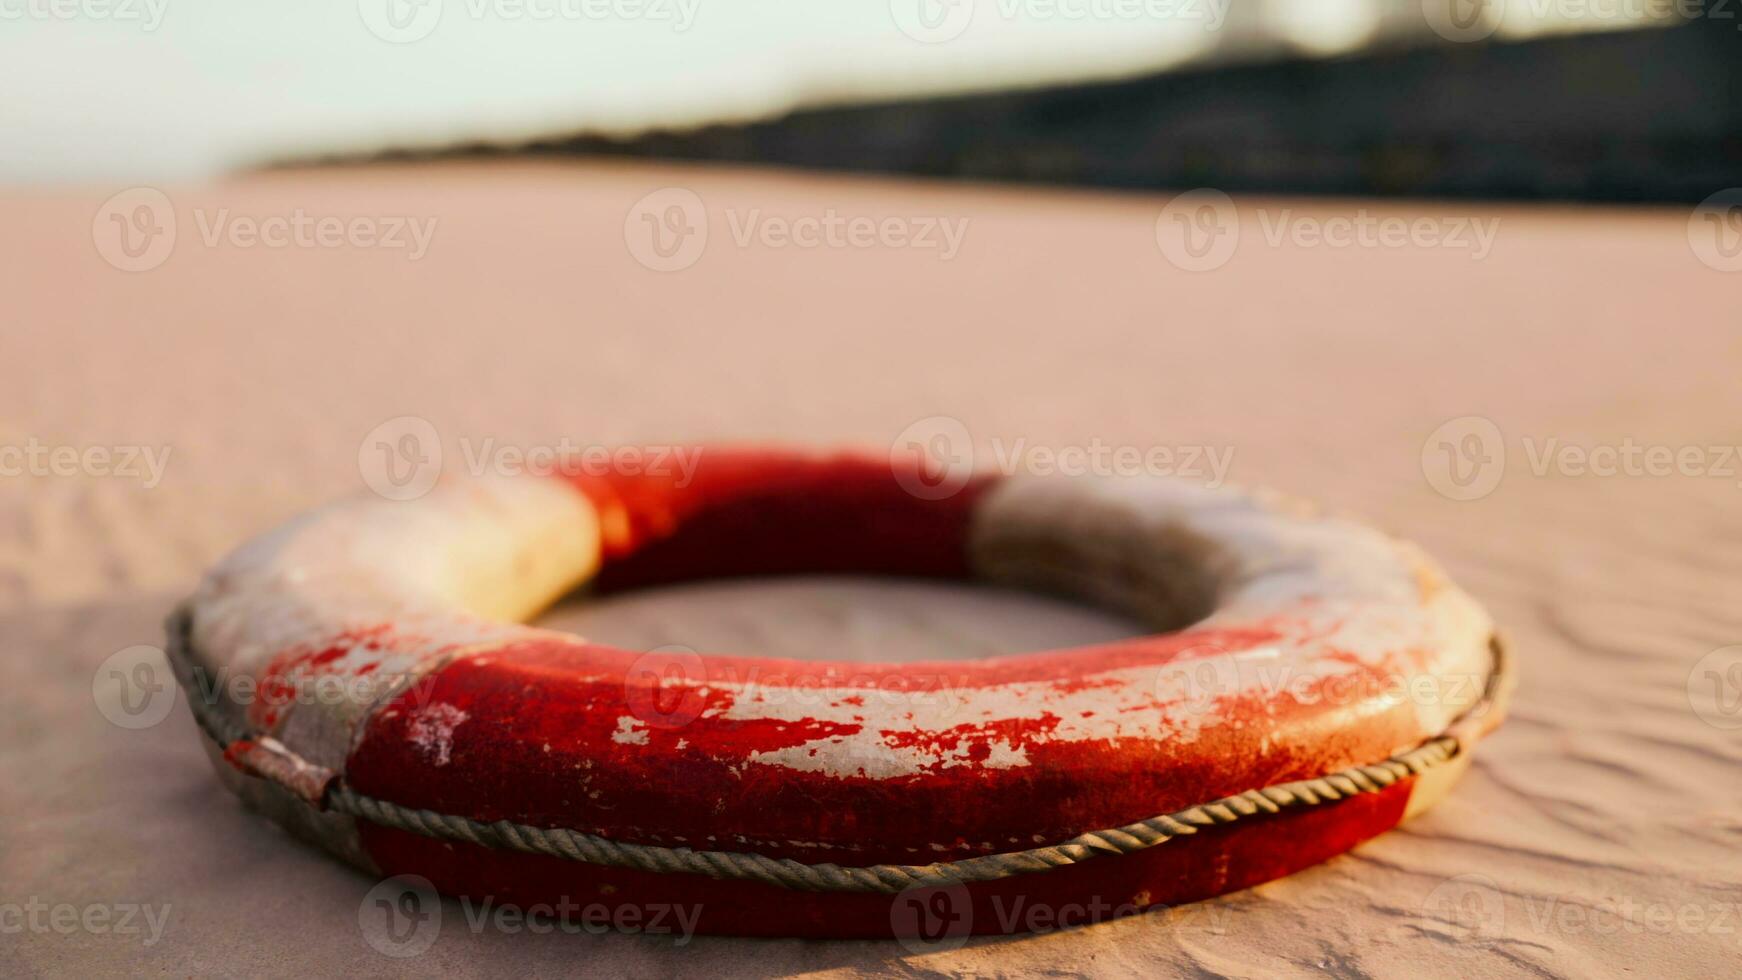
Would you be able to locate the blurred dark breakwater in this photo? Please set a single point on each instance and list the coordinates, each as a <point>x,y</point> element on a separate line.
<point>1647,115</point>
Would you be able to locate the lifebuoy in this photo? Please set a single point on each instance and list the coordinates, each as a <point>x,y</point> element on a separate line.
<point>364,678</point>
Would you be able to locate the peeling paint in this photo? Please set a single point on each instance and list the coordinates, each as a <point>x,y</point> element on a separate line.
<point>432,731</point>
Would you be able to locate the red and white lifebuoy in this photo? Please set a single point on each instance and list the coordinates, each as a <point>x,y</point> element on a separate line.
<point>365,679</point>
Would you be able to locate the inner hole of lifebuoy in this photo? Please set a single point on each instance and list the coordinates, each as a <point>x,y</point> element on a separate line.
<point>752,517</point>
<point>844,618</point>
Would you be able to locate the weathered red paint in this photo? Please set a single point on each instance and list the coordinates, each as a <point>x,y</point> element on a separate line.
<point>762,512</point>
<point>537,746</point>
<point>532,732</point>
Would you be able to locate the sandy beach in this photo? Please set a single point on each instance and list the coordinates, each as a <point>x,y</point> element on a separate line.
<point>230,383</point>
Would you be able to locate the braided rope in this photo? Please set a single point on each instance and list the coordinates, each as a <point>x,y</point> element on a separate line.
<point>891,878</point>
<point>576,845</point>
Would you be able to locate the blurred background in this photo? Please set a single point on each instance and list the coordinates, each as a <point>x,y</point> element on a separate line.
<point>1596,99</point>
<point>1428,261</point>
